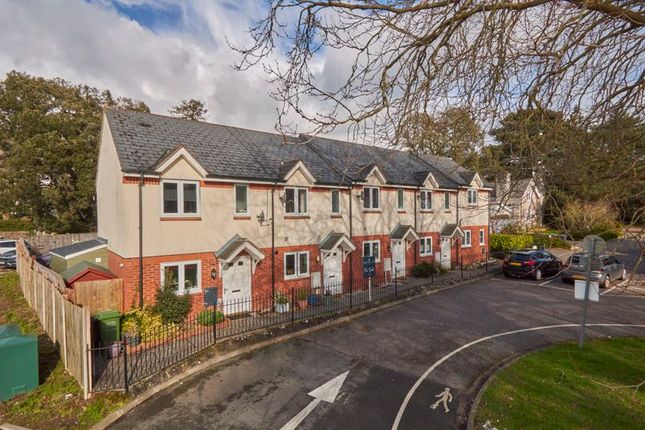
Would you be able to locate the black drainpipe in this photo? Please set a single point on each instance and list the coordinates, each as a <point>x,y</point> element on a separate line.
<point>141,241</point>
<point>458,225</point>
<point>273,240</point>
<point>351,237</point>
<point>416,245</point>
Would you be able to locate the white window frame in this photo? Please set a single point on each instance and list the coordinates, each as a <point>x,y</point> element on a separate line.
<point>296,201</point>
<point>482,237</point>
<point>235,199</point>
<point>427,199</point>
<point>180,198</point>
<point>371,206</point>
<point>331,198</point>
<point>182,275</point>
<point>423,244</point>
<point>446,199</point>
<point>467,243</point>
<point>297,274</point>
<point>371,244</point>
<point>472,200</point>
<point>400,199</point>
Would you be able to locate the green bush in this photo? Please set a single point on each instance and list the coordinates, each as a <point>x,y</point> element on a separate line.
<point>508,242</point>
<point>303,294</point>
<point>173,308</point>
<point>545,241</point>
<point>605,233</point>
<point>424,270</point>
<point>15,225</point>
<point>206,317</point>
<point>149,325</point>
<point>281,299</point>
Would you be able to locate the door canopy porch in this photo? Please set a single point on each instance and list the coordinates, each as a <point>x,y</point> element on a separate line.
<point>451,231</point>
<point>234,247</point>
<point>337,240</point>
<point>405,233</point>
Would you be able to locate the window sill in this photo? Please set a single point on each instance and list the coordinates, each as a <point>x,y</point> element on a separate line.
<point>466,246</point>
<point>242,217</point>
<point>427,211</point>
<point>296,217</point>
<point>447,211</point>
<point>401,211</point>
<point>336,216</point>
<point>372,210</point>
<point>190,293</point>
<point>181,218</point>
<point>425,255</point>
<point>296,278</point>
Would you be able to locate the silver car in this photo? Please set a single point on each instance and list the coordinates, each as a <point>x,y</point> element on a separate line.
<point>604,269</point>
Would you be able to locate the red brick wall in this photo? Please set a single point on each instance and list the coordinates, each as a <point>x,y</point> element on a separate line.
<point>475,253</point>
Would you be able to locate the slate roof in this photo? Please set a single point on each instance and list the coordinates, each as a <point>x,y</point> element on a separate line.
<point>332,239</point>
<point>449,230</point>
<point>230,248</point>
<point>74,248</point>
<point>79,269</point>
<point>144,140</point>
<point>400,231</point>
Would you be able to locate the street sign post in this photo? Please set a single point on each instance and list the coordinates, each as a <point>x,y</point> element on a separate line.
<point>369,269</point>
<point>594,245</point>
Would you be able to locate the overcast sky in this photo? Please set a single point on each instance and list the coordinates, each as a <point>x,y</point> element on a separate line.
<point>158,51</point>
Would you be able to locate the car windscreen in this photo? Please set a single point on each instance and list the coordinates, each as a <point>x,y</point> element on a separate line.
<point>517,256</point>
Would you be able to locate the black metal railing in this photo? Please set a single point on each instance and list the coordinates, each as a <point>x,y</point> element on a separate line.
<point>120,364</point>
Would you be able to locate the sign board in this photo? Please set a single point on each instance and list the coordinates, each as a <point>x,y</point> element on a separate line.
<point>369,267</point>
<point>594,292</point>
<point>387,264</point>
<point>210,296</point>
<point>593,244</point>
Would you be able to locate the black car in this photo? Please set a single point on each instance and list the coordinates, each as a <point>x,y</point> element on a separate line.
<point>534,263</point>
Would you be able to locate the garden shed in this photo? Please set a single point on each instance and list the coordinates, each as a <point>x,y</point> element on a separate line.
<point>86,271</point>
<point>91,251</point>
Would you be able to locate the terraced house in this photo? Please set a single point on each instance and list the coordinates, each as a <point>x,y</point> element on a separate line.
<point>251,212</point>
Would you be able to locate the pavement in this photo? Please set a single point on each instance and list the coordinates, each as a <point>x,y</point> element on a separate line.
<point>385,370</point>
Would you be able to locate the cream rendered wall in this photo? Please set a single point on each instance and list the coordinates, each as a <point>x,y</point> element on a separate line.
<point>110,211</point>
<point>473,215</point>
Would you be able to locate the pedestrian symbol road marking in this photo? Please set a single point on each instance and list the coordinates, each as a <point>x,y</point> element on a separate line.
<point>444,397</point>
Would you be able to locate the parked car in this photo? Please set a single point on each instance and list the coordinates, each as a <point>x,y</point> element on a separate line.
<point>6,246</point>
<point>604,268</point>
<point>8,259</point>
<point>534,263</point>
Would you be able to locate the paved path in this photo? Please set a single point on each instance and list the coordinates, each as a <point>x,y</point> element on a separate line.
<point>385,353</point>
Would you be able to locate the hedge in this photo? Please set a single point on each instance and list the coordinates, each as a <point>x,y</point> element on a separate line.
<point>507,242</point>
<point>15,225</point>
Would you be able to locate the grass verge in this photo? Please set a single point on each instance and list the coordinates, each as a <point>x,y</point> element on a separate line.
<point>563,387</point>
<point>58,401</point>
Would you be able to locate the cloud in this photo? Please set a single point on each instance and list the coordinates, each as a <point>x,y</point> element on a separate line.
<point>142,55</point>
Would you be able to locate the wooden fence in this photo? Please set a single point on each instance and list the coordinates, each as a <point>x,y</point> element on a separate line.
<point>67,324</point>
<point>98,296</point>
<point>45,242</point>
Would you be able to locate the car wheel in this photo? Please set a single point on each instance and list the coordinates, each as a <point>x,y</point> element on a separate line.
<point>537,275</point>
<point>605,282</point>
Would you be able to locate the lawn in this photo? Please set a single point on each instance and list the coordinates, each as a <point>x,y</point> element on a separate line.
<point>58,401</point>
<point>563,387</point>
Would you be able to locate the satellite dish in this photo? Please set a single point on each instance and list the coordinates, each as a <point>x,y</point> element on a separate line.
<point>593,244</point>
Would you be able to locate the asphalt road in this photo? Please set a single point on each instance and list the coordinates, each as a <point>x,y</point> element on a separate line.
<point>386,353</point>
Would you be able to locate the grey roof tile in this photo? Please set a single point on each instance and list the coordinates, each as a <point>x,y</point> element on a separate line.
<point>64,251</point>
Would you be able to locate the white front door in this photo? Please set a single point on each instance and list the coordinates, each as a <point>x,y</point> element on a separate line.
<point>236,280</point>
<point>398,258</point>
<point>333,271</point>
<point>446,252</point>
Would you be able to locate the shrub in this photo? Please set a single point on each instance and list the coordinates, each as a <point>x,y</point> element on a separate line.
<point>508,242</point>
<point>15,225</point>
<point>130,325</point>
<point>173,308</point>
<point>550,242</point>
<point>281,299</point>
<point>206,317</point>
<point>302,294</point>
<point>424,270</point>
<point>148,324</point>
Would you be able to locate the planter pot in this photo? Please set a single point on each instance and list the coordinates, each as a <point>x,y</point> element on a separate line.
<point>132,340</point>
<point>327,300</point>
<point>282,308</point>
<point>115,349</point>
<point>314,300</point>
<point>302,304</point>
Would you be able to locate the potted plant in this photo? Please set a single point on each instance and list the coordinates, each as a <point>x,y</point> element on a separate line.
<point>281,303</point>
<point>130,329</point>
<point>302,298</point>
<point>327,298</point>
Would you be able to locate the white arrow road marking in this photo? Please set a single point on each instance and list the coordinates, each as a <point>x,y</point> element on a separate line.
<point>437,363</point>
<point>327,392</point>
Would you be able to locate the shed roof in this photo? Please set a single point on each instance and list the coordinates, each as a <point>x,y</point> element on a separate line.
<point>79,248</point>
<point>78,270</point>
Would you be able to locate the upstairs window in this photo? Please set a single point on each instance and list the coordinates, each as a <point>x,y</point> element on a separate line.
<point>295,201</point>
<point>472,197</point>
<point>425,197</point>
<point>241,200</point>
<point>400,199</point>
<point>446,201</point>
<point>335,202</point>
<point>180,198</point>
<point>371,198</point>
